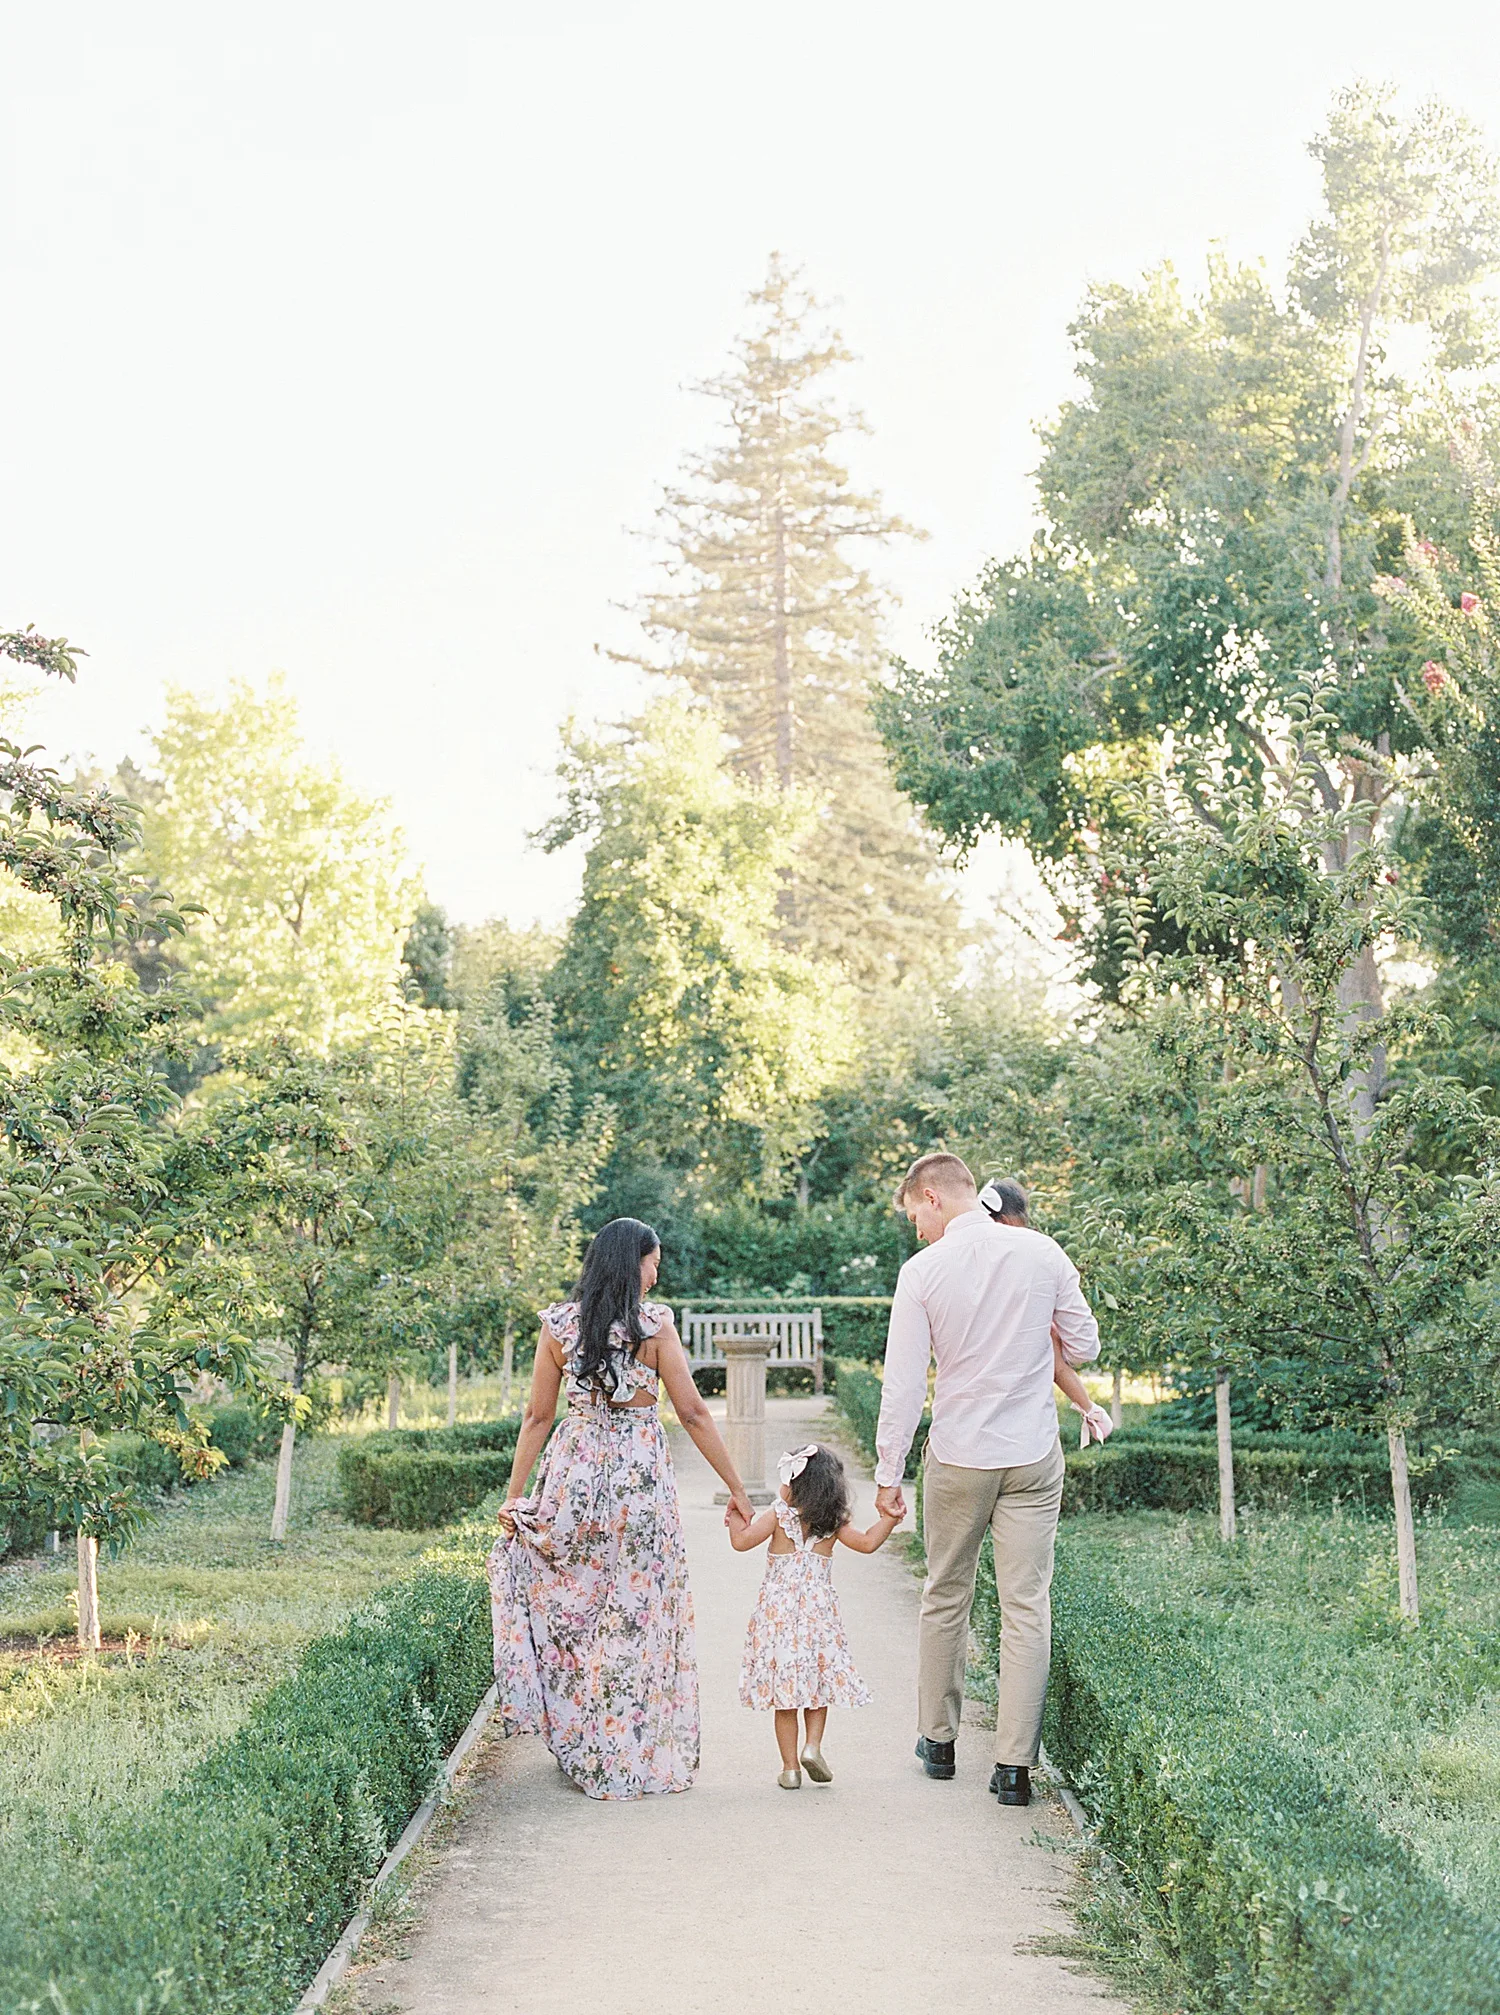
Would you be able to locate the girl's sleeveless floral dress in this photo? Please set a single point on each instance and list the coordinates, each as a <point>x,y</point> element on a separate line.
<point>592,1611</point>
<point>796,1652</point>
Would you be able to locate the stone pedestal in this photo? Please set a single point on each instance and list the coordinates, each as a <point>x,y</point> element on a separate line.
<point>745,1412</point>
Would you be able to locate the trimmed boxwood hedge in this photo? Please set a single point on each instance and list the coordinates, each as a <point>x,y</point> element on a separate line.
<point>1274,1891</point>
<point>1141,1471</point>
<point>418,1477</point>
<point>225,1897</point>
<point>858,1396</point>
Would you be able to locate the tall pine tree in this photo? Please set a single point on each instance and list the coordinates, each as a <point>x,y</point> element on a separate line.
<point>768,611</point>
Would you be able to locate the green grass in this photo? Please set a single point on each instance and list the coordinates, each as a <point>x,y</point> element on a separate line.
<point>220,1614</point>
<point>1300,1620</point>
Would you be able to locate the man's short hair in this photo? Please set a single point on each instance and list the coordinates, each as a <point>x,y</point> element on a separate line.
<point>949,1174</point>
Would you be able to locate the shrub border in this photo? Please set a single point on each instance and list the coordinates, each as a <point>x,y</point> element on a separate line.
<point>337,1964</point>
<point>289,1811</point>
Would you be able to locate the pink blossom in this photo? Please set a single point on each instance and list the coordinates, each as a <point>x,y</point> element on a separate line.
<point>1470,604</point>
<point>1428,551</point>
<point>1434,678</point>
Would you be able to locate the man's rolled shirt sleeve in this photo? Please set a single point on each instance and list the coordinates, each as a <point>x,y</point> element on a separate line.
<point>908,1351</point>
<point>1074,1319</point>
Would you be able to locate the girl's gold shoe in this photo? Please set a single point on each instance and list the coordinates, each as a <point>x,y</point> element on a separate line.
<point>816,1768</point>
<point>790,1780</point>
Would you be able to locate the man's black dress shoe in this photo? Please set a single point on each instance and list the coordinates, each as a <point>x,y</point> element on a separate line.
<point>936,1758</point>
<point>1011,1783</point>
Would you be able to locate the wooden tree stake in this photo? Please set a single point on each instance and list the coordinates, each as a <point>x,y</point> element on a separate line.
<point>1406,1535</point>
<point>1227,1522</point>
<point>88,1592</point>
<point>283,1481</point>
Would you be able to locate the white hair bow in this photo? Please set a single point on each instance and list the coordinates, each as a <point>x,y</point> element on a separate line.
<point>992,1200</point>
<point>795,1461</point>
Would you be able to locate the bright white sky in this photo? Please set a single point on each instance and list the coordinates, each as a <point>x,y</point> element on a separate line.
<point>351,338</point>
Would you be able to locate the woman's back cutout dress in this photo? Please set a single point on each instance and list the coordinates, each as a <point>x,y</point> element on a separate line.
<point>592,1611</point>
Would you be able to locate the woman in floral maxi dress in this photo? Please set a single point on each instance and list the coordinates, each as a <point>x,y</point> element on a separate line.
<point>592,1611</point>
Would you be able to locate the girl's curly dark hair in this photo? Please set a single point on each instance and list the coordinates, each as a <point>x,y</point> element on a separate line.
<point>819,1494</point>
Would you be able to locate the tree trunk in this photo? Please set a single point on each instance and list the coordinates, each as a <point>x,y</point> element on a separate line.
<point>1406,1536</point>
<point>452,1383</point>
<point>1227,1522</point>
<point>281,1508</point>
<point>88,1593</point>
<point>393,1400</point>
<point>1116,1403</point>
<point>283,1503</point>
<point>507,1365</point>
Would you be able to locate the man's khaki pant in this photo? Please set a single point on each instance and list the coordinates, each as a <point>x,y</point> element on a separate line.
<point>1020,1507</point>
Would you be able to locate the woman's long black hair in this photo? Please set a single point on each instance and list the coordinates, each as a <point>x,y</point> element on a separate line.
<point>609,1292</point>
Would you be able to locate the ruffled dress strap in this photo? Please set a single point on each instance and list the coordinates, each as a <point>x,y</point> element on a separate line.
<point>791,1525</point>
<point>562,1319</point>
<point>623,1374</point>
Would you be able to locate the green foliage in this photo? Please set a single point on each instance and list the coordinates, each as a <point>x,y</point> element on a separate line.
<point>1367,1258</point>
<point>306,889</point>
<point>417,1478</point>
<point>1141,1471</point>
<point>227,1895</point>
<point>674,999</point>
<point>238,1433</point>
<point>768,614</point>
<point>858,1396</point>
<point>1264,1749</point>
<point>1454,698</point>
<point>96,1194</point>
<point>825,1251</point>
<point>427,956</point>
<point>1219,503</point>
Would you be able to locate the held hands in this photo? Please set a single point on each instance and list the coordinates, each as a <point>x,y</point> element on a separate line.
<point>890,1503</point>
<point>739,1509</point>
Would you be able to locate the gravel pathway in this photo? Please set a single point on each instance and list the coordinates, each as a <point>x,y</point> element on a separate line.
<point>880,1894</point>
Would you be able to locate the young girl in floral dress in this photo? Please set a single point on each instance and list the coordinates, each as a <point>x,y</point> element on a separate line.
<point>796,1654</point>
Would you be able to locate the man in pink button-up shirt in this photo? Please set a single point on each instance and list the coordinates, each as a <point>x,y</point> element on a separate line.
<point>983,1301</point>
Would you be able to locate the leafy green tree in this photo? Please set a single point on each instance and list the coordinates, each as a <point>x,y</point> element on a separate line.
<point>1217,504</point>
<point>1367,1259</point>
<point>296,1192</point>
<point>496,951</point>
<point>427,957</point>
<point>767,612</point>
<point>307,894</point>
<point>1451,835</point>
<point>97,1195</point>
<point>675,1000</point>
<point>540,1157</point>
